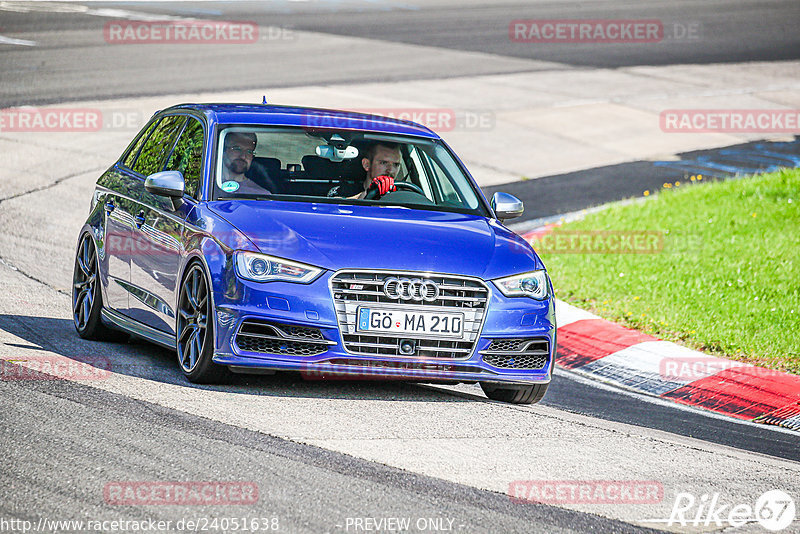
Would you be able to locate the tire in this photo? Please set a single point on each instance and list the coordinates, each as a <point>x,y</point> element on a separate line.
<point>515,394</point>
<point>87,299</point>
<point>195,330</point>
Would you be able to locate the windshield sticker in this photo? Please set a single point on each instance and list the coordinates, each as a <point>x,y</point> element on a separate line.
<point>230,186</point>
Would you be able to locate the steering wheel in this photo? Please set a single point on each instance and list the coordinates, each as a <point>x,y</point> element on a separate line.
<point>373,192</point>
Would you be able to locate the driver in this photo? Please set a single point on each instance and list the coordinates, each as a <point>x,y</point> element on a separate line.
<point>382,163</point>
<point>237,156</point>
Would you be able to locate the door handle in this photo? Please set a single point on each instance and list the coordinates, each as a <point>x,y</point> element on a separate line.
<point>139,219</point>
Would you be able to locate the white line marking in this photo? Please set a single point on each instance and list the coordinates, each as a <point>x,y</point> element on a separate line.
<point>647,357</point>
<point>133,15</point>
<point>69,7</point>
<point>568,314</point>
<point>45,7</point>
<point>12,41</point>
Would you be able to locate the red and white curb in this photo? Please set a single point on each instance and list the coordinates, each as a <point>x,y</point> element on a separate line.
<point>610,353</point>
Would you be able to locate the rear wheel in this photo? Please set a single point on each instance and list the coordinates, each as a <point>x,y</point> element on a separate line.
<point>195,327</point>
<point>515,394</point>
<point>87,299</point>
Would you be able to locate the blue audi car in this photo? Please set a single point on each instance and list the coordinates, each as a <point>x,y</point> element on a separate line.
<point>259,238</point>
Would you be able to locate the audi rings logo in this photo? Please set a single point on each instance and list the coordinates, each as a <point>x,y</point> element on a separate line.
<point>415,289</point>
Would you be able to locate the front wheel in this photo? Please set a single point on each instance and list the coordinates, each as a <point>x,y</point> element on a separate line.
<point>515,394</point>
<point>195,327</point>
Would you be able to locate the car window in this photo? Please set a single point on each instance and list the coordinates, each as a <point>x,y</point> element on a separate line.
<point>154,152</point>
<point>134,151</point>
<point>187,157</point>
<point>287,164</point>
<point>448,190</point>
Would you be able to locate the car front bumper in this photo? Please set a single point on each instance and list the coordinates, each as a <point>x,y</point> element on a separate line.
<point>311,307</point>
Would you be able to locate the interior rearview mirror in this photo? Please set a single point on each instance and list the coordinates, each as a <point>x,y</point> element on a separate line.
<point>336,154</point>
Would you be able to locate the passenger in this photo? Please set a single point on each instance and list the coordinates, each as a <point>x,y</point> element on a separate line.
<point>237,156</point>
<point>382,163</point>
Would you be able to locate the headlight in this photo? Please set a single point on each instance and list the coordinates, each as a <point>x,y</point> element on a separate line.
<point>263,268</point>
<point>533,284</point>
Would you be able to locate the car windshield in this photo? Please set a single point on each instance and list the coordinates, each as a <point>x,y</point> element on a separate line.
<point>329,166</point>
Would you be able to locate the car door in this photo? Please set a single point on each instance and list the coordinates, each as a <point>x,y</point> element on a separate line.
<point>113,194</point>
<point>157,232</point>
<point>116,245</point>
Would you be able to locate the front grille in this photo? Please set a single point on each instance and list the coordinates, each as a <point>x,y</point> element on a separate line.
<point>352,289</point>
<point>273,338</point>
<point>529,353</point>
<point>426,348</point>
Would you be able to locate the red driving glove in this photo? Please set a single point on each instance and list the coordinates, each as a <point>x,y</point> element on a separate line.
<point>384,184</point>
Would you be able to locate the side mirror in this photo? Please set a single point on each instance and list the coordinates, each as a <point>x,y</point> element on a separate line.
<point>506,206</point>
<point>166,184</point>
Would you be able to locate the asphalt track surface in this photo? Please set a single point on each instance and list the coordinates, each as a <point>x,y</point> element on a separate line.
<point>551,196</point>
<point>63,441</point>
<point>72,61</point>
<point>308,489</point>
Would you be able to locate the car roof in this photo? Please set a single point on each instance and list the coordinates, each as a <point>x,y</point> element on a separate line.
<point>274,115</point>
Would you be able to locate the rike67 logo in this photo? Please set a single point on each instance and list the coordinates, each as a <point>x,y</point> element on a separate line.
<point>774,510</point>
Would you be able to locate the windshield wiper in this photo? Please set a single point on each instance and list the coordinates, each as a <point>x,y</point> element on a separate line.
<point>245,197</point>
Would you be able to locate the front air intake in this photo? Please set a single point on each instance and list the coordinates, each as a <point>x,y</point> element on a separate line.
<point>273,338</point>
<point>527,353</point>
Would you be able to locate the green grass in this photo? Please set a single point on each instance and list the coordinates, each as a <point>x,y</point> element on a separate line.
<point>726,282</point>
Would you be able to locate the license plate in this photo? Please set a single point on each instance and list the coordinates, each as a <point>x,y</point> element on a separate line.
<point>398,322</point>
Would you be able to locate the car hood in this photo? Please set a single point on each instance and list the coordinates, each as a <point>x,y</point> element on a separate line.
<point>336,236</point>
